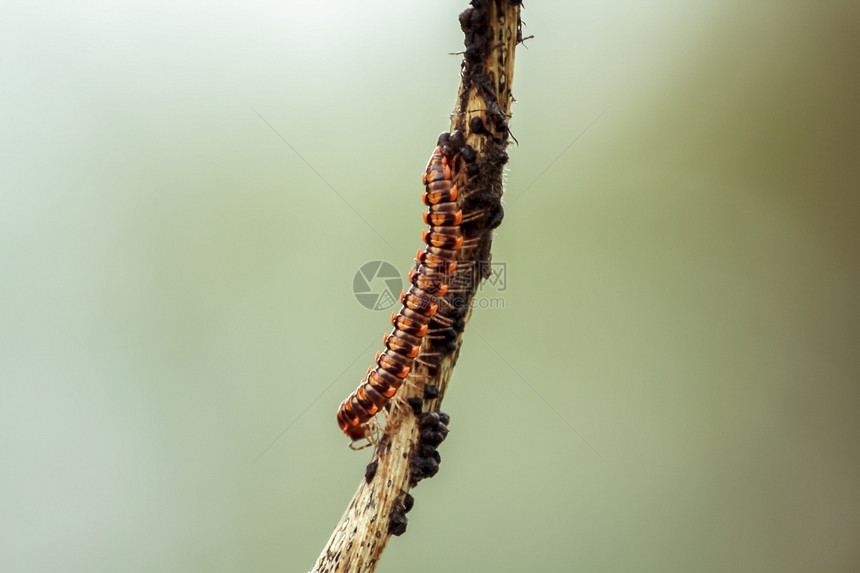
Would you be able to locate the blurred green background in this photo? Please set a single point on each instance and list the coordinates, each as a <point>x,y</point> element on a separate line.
<point>177,325</point>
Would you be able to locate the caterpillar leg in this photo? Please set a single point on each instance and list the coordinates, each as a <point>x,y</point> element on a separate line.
<point>360,445</point>
<point>443,320</point>
<point>441,336</point>
<point>420,360</point>
<point>372,435</point>
<point>473,216</point>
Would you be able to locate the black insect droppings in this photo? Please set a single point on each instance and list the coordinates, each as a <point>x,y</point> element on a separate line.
<point>397,524</point>
<point>428,451</point>
<point>468,154</point>
<point>423,468</point>
<point>370,471</point>
<point>426,459</point>
<point>456,141</point>
<point>451,345</point>
<point>398,521</point>
<point>476,125</point>
<point>415,403</point>
<point>432,437</point>
<point>496,216</point>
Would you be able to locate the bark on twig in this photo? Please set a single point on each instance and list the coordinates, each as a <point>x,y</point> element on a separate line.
<point>407,452</point>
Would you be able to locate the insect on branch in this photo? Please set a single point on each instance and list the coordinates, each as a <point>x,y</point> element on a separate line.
<point>470,159</point>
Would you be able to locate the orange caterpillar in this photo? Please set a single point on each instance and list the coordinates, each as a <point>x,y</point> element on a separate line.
<point>420,302</point>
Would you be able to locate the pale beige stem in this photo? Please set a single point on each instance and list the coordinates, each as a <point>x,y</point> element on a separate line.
<point>483,107</point>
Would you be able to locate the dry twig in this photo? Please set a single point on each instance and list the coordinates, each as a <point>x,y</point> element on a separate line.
<point>407,452</point>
